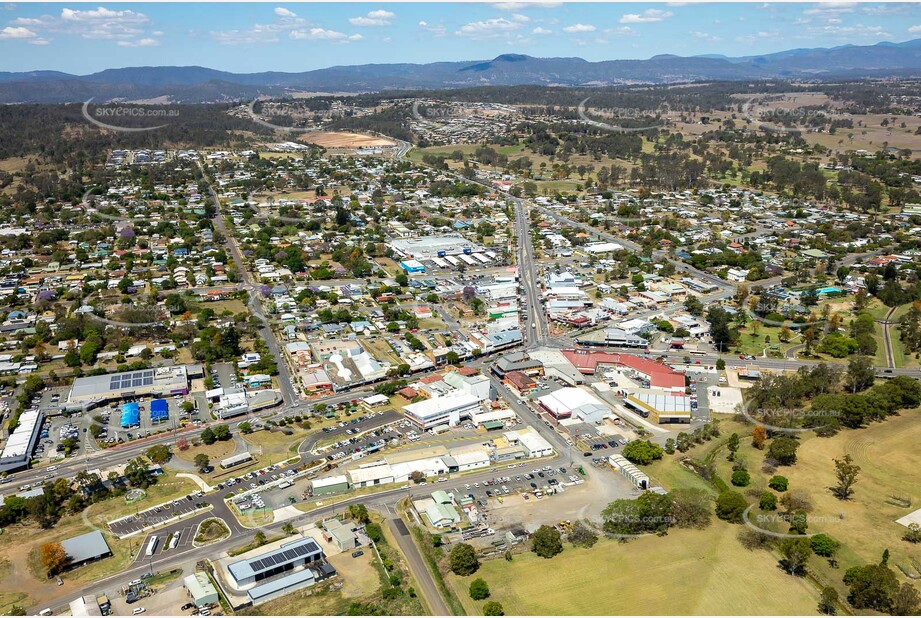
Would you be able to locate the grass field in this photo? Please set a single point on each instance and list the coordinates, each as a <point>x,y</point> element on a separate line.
<point>686,572</point>
<point>865,524</point>
<point>215,452</point>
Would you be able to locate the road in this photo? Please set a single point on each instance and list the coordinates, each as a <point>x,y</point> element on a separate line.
<point>289,395</point>
<point>164,561</point>
<point>417,566</point>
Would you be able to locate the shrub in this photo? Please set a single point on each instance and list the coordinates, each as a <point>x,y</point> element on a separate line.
<point>768,501</point>
<point>479,589</point>
<point>778,483</point>
<point>463,560</point>
<point>730,505</point>
<point>741,478</point>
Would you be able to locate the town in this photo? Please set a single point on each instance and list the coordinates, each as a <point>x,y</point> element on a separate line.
<point>397,353</point>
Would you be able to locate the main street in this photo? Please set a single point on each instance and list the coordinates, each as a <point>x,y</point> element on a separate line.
<point>285,385</point>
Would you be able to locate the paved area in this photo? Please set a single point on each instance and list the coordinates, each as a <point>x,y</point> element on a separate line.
<point>417,567</point>
<point>157,515</point>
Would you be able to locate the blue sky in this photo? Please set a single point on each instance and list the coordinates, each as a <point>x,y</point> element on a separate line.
<point>243,37</point>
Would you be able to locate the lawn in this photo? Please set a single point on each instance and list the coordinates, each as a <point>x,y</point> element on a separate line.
<point>865,524</point>
<point>215,452</point>
<point>686,572</point>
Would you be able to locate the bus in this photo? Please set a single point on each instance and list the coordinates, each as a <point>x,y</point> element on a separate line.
<point>696,353</point>
<point>175,542</point>
<point>152,545</point>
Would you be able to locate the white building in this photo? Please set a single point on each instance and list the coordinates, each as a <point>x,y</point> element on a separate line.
<point>448,410</point>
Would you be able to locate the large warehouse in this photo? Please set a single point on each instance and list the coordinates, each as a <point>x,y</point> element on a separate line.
<point>282,560</point>
<point>448,410</point>
<point>428,247</point>
<point>17,452</point>
<point>574,402</point>
<point>662,407</point>
<point>162,381</point>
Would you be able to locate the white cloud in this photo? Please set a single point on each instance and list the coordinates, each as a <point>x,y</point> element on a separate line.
<point>520,6</point>
<point>373,19</point>
<point>915,30</point>
<point>11,32</point>
<point>620,31</point>
<point>540,30</point>
<point>437,29</point>
<point>145,42</point>
<point>488,28</point>
<point>577,28</point>
<point>648,16</point>
<point>286,21</point>
<point>322,34</point>
<point>102,23</point>
<point>523,19</point>
<point>706,36</point>
<point>846,32</point>
<point>824,8</point>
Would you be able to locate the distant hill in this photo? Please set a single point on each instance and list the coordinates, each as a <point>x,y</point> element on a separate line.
<point>196,84</point>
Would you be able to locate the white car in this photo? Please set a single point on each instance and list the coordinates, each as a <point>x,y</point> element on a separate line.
<point>138,610</point>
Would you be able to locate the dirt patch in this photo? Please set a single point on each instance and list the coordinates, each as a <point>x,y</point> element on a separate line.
<point>359,577</point>
<point>345,140</point>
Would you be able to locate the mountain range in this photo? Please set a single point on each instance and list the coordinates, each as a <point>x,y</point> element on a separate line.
<point>196,84</point>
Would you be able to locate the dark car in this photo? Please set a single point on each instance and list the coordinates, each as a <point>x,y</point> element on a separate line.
<point>586,454</point>
<point>533,485</point>
<point>357,553</point>
<point>187,606</point>
<point>612,443</point>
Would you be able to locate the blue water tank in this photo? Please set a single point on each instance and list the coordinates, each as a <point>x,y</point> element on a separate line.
<point>467,250</point>
<point>442,253</point>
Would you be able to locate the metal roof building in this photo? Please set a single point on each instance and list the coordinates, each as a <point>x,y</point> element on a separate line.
<point>200,588</point>
<point>18,449</point>
<point>160,381</point>
<point>86,548</point>
<point>275,562</point>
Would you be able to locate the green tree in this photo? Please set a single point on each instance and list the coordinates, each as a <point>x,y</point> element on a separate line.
<point>642,452</point>
<point>159,453</point>
<point>582,536</point>
<point>546,542</point>
<point>259,538</point>
<point>768,501</point>
<point>828,604</point>
<point>479,589</point>
<point>730,505</point>
<point>846,472</point>
<point>691,508</point>
<point>783,450</point>
<point>795,553</point>
<point>778,483</point>
<point>463,560</point>
<point>871,587</point>
<point>741,478</point>
<point>207,436</point>
<point>733,445</point>
<point>202,461</point>
<point>824,545</point>
<point>493,608</point>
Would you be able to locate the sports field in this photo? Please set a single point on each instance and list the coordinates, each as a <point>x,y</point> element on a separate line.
<point>685,572</point>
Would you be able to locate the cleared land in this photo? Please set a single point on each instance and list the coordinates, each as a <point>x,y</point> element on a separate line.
<point>344,140</point>
<point>686,572</point>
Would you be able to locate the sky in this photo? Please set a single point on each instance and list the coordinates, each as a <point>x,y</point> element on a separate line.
<point>82,38</point>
